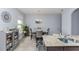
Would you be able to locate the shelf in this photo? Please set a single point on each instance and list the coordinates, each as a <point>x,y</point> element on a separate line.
<point>12,39</point>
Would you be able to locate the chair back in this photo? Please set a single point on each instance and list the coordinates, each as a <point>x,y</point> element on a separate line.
<point>39,34</point>
<point>48,31</point>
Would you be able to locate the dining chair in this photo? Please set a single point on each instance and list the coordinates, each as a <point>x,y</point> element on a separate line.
<point>30,33</point>
<point>39,38</point>
<point>48,30</point>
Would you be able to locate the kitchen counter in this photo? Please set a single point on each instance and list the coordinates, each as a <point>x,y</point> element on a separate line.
<point>53,42</point>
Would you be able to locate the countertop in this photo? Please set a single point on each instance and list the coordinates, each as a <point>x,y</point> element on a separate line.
<point>50,40</point>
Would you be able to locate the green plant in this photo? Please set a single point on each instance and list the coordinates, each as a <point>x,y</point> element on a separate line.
<point>26,30</point>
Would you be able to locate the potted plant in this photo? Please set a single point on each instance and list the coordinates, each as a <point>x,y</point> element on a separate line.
<point>26,30</point>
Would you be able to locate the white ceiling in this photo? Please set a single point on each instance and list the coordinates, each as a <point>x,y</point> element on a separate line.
<point>40,10</point>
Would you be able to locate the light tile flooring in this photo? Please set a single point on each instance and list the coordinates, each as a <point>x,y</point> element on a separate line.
<point>27,44</point>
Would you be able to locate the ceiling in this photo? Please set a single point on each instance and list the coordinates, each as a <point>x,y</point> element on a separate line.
<point>40,10</point>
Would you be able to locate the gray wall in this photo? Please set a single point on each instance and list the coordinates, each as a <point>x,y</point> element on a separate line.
<point>15,14</point>
<point>75,23</point>
<point>67,20</point>
<point>52,21</point>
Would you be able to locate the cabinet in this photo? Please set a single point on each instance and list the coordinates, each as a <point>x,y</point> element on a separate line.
<point>54,48</point>
<point>71,48</point>
<point>8,40</point>
<point>15,38</point>
<point>63,48</point>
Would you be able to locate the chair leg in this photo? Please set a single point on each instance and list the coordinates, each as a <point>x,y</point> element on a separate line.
<point>31,37</point>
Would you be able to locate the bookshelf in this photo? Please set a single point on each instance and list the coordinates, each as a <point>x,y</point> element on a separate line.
<point>9,40</point>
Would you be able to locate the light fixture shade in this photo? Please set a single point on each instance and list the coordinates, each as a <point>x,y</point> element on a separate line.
<point>19,22</point>
<point>38,21</point>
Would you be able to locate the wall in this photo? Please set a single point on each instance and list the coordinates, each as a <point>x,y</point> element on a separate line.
<point>67,20</point>
<point>15,14</point>
<point>75,22</point>
<point>52,21</point>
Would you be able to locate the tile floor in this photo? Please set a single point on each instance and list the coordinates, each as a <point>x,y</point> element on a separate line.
<point>27,44</point>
